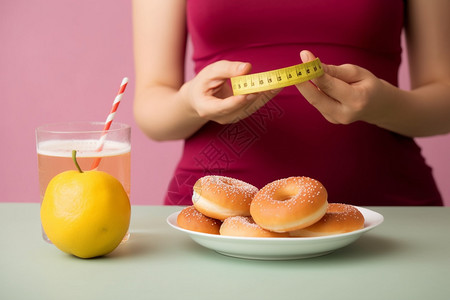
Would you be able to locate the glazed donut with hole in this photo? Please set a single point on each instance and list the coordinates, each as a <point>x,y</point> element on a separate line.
<point>220,197</point>
<point>289,204</point>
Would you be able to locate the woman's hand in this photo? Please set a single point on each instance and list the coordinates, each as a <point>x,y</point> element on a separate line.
<point>345,93</point>
<point>348,93</point>
<point>212,99</point>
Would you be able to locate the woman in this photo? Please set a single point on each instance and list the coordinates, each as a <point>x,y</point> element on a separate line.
<point>354,132</point>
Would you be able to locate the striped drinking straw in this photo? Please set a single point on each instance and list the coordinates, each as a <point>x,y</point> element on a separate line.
<point>108,122</point>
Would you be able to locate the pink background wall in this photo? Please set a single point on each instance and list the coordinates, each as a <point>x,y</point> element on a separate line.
<point>64,60</point>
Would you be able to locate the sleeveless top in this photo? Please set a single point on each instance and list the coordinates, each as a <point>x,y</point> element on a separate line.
<point>360,163</point>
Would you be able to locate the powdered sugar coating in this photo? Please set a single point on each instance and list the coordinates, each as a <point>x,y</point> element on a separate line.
<point>191,219</point>
<point>340,212</point>
<point>232,187</point>
<point>238,221</point>
<point>289,204</point>
<point>193,215</point>
<point>290,191</point>
<point>221,197</point>
<point>339,218</point>
<point>246,227</point>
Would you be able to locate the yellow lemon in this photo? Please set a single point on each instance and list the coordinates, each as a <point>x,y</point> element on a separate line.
<point>85,214</point>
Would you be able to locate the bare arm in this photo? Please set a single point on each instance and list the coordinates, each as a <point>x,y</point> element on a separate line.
<point>349,93</point>
<point>428,38</point>
<point>159,49</point>
<point>166,107</point>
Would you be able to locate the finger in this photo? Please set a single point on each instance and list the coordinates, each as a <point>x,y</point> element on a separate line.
<point>224,69</point>
<point>258,100</point>
<point>322,102</point>
<point>347,72</point>
<point>335,87</point>
<point>240,110</point>
<point>249,103</point>
<point>225,106</point>
<point>228,110</point>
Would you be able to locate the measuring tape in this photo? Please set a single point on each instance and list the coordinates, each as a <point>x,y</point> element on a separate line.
<point>264,81</point>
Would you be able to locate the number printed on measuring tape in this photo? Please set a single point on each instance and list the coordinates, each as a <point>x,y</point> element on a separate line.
<point>264,81</point>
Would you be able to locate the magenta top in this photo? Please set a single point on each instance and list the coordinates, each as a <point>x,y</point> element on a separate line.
<point>359,164</point>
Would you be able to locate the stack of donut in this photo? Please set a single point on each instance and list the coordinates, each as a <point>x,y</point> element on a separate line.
<point>290,207</point>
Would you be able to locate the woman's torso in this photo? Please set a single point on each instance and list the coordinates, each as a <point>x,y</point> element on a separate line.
<point>359,164</point>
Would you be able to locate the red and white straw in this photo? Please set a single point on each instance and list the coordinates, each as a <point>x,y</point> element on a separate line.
<point>109,120</point>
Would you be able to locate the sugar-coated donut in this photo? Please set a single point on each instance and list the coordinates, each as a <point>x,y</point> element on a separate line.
<point>289,204</point>
<point>246,227</point>
<point>220,197</point>
<point>191,219</point>
<point>339,218</point>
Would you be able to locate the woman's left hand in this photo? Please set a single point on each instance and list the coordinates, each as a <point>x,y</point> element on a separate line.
<point>345,93</point>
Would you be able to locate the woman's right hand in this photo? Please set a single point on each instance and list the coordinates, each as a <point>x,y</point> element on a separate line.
<point>212,99</point>
<point>165,106</point>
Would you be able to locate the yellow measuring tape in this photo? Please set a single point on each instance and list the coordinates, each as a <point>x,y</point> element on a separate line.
<point>264,81</point>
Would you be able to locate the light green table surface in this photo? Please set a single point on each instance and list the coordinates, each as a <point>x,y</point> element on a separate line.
<point>407,257</point>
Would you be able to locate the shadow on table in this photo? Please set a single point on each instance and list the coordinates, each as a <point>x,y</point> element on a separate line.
<point>366,249</point>
<point>369,247</point>
<point>140,243</point>
<point>150,242</point>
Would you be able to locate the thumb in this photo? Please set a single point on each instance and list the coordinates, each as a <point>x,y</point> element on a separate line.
<point>226,69</point>
<point>346,72</point>
<point>307,56</point>
<point>333,83</point>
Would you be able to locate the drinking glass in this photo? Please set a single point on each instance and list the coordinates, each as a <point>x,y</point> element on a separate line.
<point>55,142</point>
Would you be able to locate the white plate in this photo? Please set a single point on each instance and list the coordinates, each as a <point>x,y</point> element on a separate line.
<point>279,248</point>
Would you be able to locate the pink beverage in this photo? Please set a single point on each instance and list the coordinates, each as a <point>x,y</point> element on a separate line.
<point>55,156</point>
<point>55,142</point>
